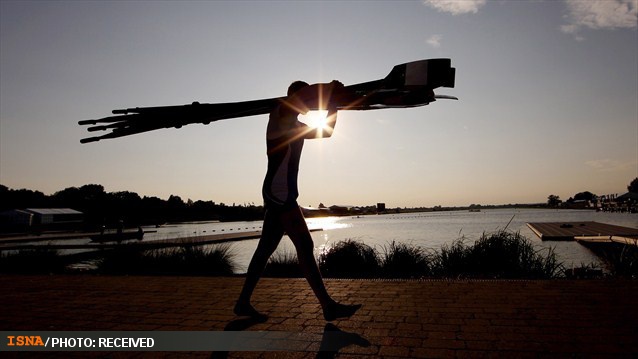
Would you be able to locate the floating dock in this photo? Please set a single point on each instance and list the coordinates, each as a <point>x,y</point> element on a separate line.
<point>591,232</point>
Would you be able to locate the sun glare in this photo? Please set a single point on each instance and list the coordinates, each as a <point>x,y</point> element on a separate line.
<point>315,119</point>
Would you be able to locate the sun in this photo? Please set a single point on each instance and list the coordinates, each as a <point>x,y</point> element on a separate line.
<point>315,119</point>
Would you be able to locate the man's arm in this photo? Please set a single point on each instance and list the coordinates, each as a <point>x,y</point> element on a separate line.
<point>325,131</point>
<point>331,118</point>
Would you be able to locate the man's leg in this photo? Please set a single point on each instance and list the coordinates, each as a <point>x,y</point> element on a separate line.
<point>271,234</point>
<point>296,228</point>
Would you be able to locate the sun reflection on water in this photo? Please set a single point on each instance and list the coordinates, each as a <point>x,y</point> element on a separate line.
<point>322,240</point>
<point>327,223</point>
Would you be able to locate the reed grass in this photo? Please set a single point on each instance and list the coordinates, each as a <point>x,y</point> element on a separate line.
<point>499,255</point>
<point>216,260</point>
<point>584,271</point>
<point>350,259</point>
<point>621,260</point>
<point>32,261</point>
<point>400,260</point>
<point>283,264</point>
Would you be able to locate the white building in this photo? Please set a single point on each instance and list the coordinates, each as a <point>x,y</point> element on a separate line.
<point>48,216</point>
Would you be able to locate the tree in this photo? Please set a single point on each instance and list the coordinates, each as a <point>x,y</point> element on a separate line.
<point>21,198</point>
<point>584,196</point>
<point>553,200</point>
<point>126,196</point>
<point>83,197</point>
<point>126,206</point>
<point>633,186</point>
<point>176,202</point>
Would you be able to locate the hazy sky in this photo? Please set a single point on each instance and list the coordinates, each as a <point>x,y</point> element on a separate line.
<point>548,97</point>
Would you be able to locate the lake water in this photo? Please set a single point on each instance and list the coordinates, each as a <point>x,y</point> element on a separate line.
<point>429,230</point>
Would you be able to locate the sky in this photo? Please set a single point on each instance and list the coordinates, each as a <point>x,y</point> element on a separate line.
<point>548,97</point>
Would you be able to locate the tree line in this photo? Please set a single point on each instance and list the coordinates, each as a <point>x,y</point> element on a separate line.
<point>108,208</point>
<point>554,200</point>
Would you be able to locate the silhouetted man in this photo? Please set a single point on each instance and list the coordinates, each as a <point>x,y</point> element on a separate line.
<point>285,137</point>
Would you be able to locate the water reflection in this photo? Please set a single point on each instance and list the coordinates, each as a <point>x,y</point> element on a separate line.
<point>328,223</point>
<point>428,230</point>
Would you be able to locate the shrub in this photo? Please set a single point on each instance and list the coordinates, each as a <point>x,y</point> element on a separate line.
<point>32,261</point>
<point>621,260</point>
<point>350,259</point>
<point>405,261</point>
<point>215,260</point>
<point>283,264</point>
<point>499,255</point>
<point>451,260</point>
<point>584,271</point>
<point>124,259</point>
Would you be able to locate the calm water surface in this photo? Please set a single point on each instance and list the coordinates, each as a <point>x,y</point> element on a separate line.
<point>428,230</point>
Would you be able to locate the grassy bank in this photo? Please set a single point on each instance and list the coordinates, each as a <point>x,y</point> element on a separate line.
<point>216,260</point>
<point>502,254</point>
<point>32,261</point>
<point>499,255</point>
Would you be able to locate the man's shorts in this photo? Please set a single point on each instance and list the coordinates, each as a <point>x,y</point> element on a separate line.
<point>280,207</point>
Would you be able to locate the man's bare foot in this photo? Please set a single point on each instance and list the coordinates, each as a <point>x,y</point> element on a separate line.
<point>247,310</point>
<point>335,311</point>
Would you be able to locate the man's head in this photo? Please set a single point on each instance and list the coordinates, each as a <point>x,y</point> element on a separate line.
<point>296,86</point>
<point>293,104</point>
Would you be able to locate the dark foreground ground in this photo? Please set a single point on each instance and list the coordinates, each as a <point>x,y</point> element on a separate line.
<point>421,319</point>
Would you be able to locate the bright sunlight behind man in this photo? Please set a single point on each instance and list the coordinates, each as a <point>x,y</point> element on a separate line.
<point>315,119</point>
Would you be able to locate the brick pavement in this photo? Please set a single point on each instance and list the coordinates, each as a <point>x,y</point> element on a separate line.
<point>399,319</point>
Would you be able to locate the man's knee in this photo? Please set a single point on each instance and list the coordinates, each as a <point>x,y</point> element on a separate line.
<point>303,243</point>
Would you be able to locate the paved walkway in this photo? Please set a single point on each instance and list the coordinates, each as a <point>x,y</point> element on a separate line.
<point>420,319</point>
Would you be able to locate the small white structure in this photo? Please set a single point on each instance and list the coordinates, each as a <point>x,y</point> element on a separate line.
<point>48,216</point>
